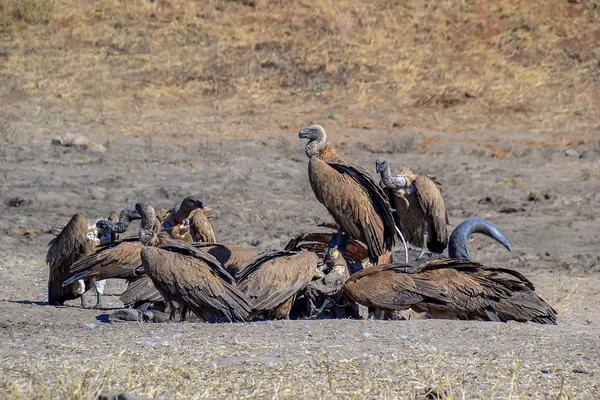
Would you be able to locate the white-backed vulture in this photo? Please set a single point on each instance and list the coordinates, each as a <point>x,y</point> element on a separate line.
<point>201,230</point>
<point>450,288</point>
<point>68,246</point>
<point>357,204</point>
<point>73,243</point>
<point>271,281</point>
<point>232,257</point>
<point>453,287</point>
<point>188,278</point>
<point>419,207</point>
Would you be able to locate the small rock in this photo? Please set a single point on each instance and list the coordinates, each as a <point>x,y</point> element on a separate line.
<point>18,202</point>
<point>571,153</point>
<point>96,148</point>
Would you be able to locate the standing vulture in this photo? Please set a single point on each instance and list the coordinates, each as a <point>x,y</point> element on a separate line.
<point>272,280</point>
<point>80,271</point>
<point>357,204</point>
<point>420,212</point>
<point>77,239</point>
<point>452,287</point>
<point>188,278</point>
<point>68,246</point>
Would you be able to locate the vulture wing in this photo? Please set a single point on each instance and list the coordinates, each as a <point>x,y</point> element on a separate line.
<point>431,201</point>
<point>356,202</point>
<point>111,261</point>
<point>181,276</point>
<point>201,228</point>
<point>140,290</point>
<point>232,257</point>
<point>177,246</point>
<point>67,247</point>
<point>268,280</point>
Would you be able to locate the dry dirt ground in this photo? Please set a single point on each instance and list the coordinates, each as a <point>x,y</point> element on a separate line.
<point>544,199</point>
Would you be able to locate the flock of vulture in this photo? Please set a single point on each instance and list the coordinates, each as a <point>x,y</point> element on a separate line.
<point>174,267</point>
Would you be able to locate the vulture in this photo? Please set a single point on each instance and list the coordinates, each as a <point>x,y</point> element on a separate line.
<point>72,243</point>
<point>176,222</point>
<point>317,242</point>
<point>107,232</point>
<point>201,230</point>
<point>359,207</point>
<point>77,239</point>
<point>142,290</point>
<point>232,257</point>
<point>452,287</point>
<point>271,281</point>
<point>420,213</point>
<point>120,259</point>
<point>188,278</point>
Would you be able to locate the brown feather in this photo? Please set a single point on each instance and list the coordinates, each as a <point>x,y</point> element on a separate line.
<point>232,257</point>
<point>450,288</point>
<point>201,230</point>
<point>67,247</point>
<point>272,280</point>
<point>188,279</point>
<point>358,206</point>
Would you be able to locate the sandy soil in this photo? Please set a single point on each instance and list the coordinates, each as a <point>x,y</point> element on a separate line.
<point>543,199</point>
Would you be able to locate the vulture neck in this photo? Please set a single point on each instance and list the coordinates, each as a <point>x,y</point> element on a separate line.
<point>386,178</point>
<point>148,231</point>
<point>314,146</point>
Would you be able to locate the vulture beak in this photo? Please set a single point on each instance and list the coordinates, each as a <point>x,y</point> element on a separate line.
<point>318,274</point>
<point>378,168</point>
<point>303,134</point>
<point>200,204</point>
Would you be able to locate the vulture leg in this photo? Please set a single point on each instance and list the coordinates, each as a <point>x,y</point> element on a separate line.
<point>172,314</point>
<point>99,292</point>
<point>184,314</point>
<point>82,302</point>
<point>424,244</point>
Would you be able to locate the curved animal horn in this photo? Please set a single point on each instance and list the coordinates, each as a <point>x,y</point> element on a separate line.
<point>458,245</point>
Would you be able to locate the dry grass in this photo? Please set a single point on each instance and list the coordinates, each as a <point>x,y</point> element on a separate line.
<point>446,65</point>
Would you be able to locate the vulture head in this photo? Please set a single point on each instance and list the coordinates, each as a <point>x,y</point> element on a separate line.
<point>188,205</point>
<point>191,203</point>
<point>458,244</point>
<point>148,229</point>
<point>381,165</point>
<point>120,225</point>
<point>316,135</point>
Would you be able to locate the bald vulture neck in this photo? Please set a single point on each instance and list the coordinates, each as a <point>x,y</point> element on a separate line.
<point>312,148</point>
<point>147,231</point>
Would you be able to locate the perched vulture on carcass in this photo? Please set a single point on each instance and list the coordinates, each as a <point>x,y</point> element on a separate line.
<point>452,287</point>
<point>189,278</point>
